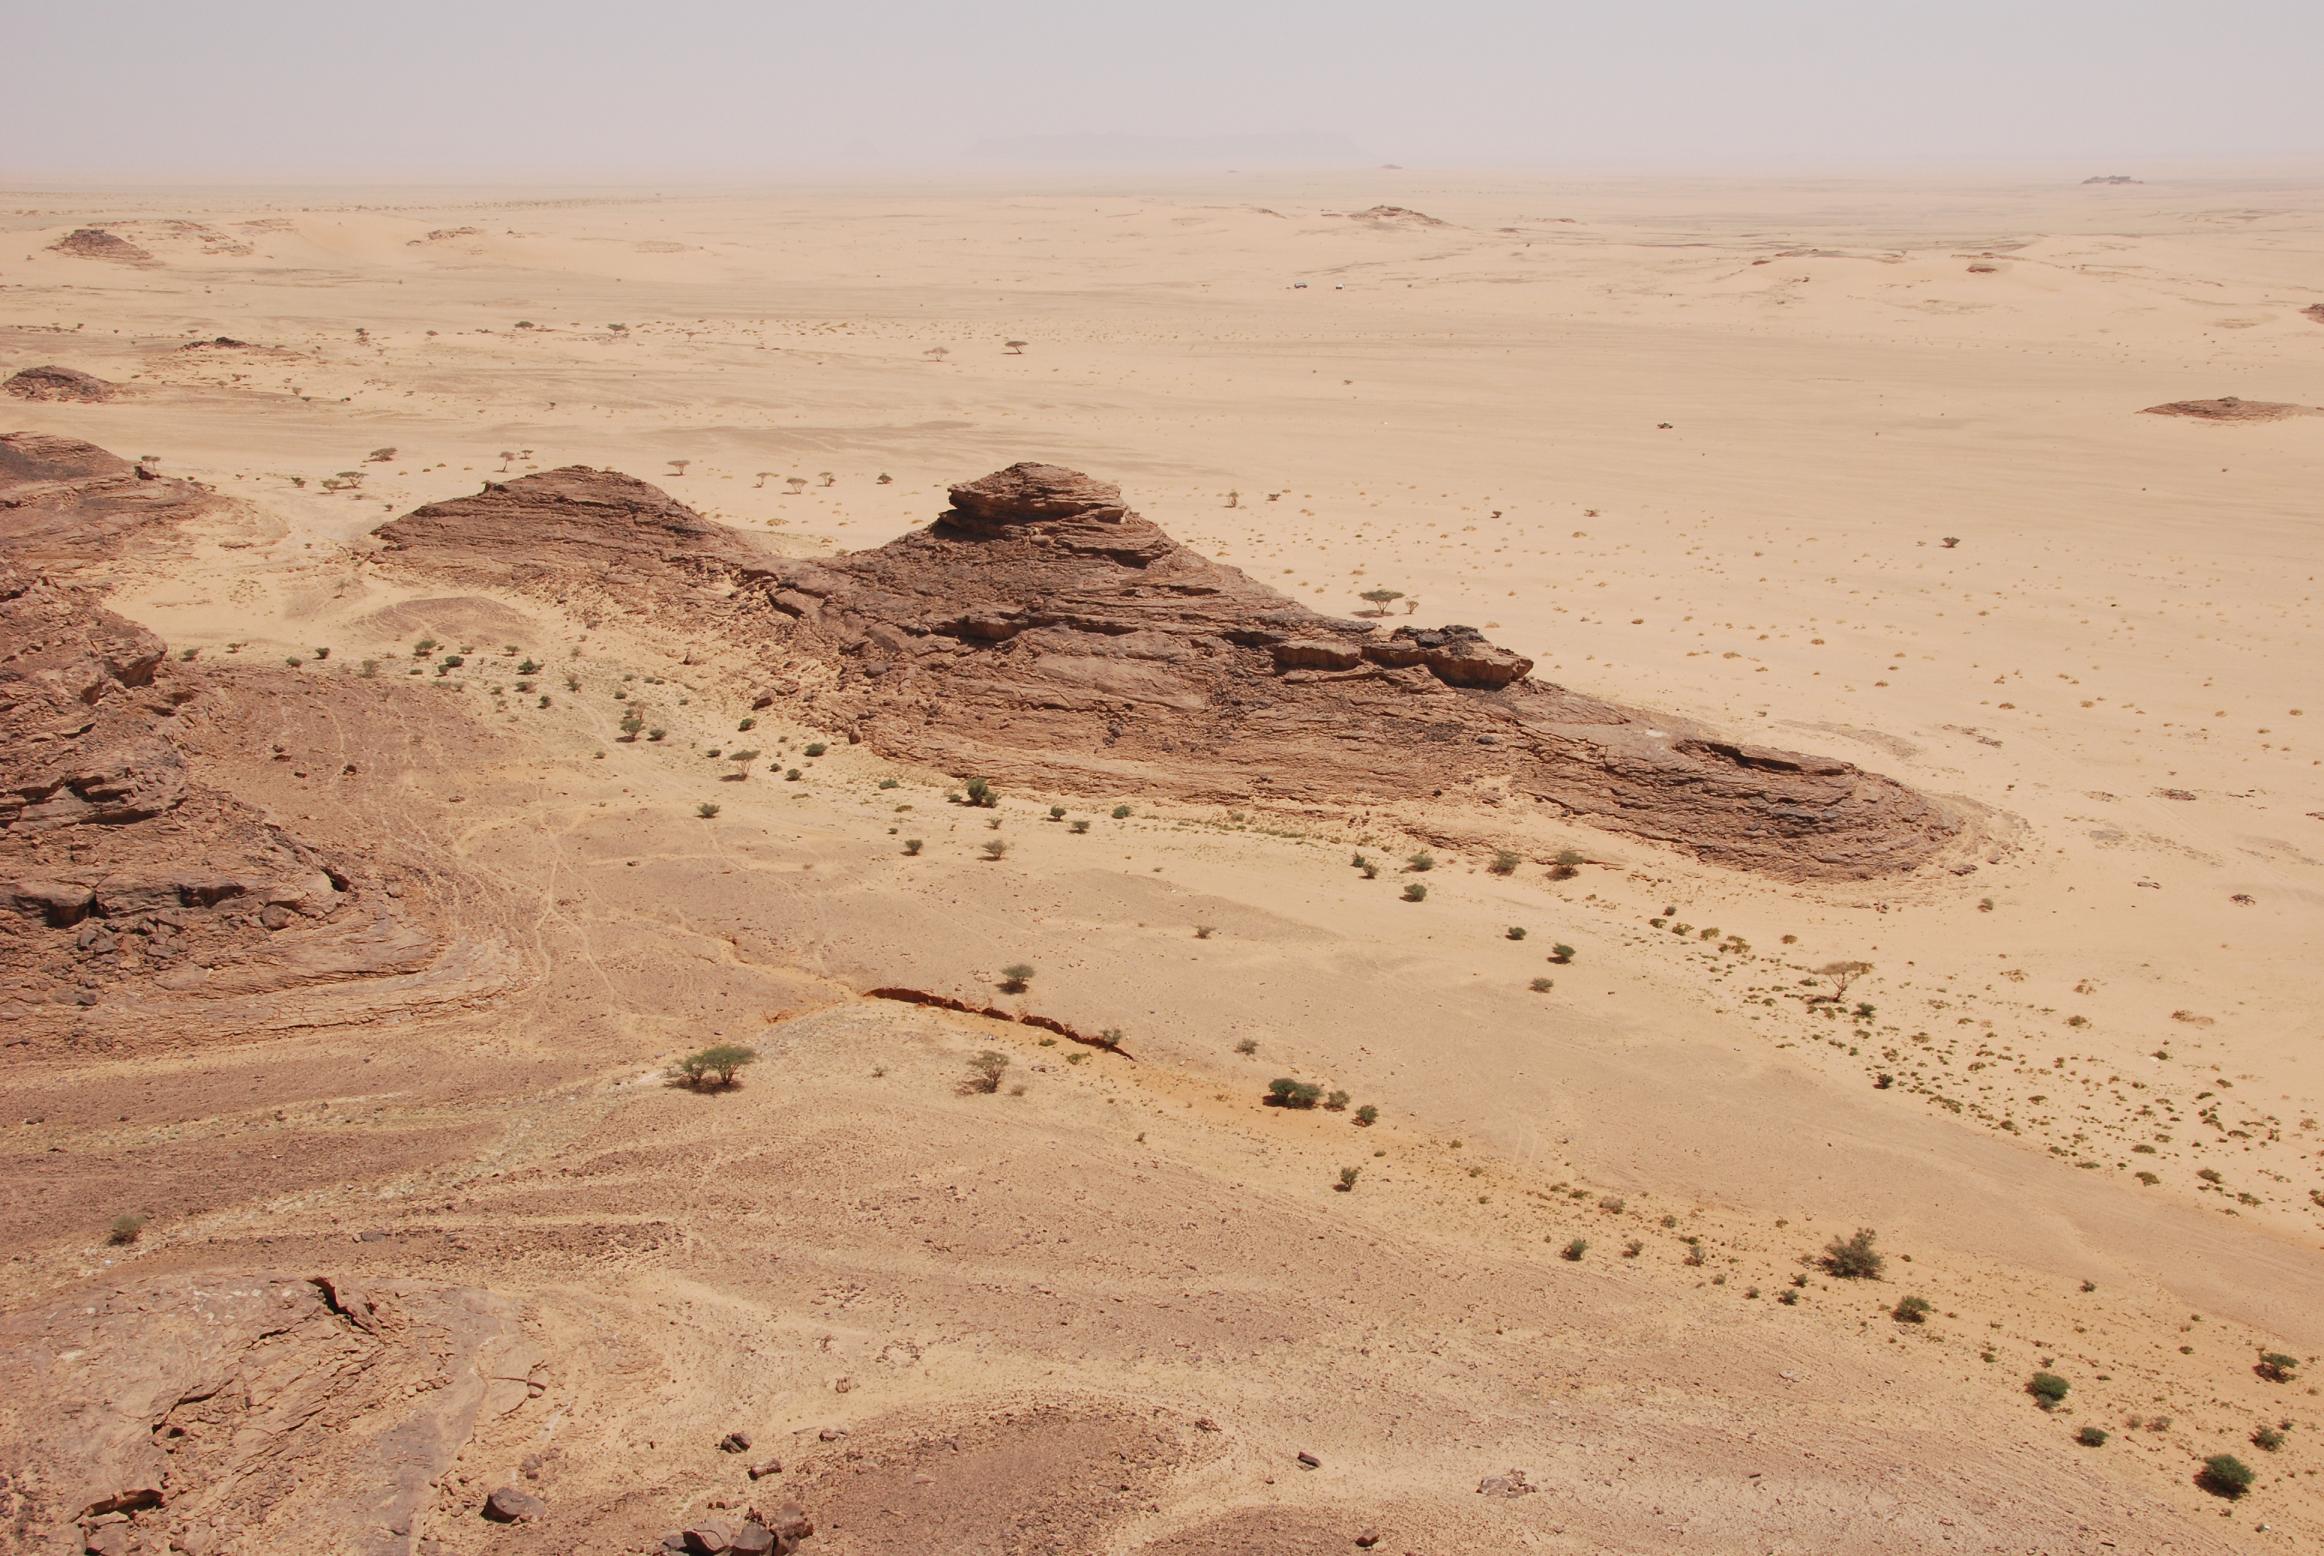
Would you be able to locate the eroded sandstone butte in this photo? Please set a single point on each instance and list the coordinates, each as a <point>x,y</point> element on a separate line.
<point>1040,632</point>
<point>58,383</point>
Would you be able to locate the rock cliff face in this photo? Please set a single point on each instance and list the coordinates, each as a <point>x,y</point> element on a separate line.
<point>2229,408</point>
<point>1040,632</point>
<point>121,874</point>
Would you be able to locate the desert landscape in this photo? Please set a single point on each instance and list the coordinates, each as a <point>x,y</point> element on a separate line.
<point>1386,861</point>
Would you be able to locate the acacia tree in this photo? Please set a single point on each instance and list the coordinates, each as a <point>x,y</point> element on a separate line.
<point>1842,974</point>
<point>714,1068</point>
<point>1016,347</point>
<point>678,466</point>
<point>1381,599</point>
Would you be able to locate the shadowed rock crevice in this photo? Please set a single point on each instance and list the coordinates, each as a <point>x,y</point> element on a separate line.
<point>1039,631</point>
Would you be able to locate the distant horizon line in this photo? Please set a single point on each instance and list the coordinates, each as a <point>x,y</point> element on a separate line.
<point>2181,169</point>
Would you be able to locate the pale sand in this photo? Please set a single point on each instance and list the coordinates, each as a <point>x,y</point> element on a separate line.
<point>2115,667</point>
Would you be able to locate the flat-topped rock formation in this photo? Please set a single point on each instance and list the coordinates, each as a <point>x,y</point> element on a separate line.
<point>1040,632</point>
<point>59,383</point>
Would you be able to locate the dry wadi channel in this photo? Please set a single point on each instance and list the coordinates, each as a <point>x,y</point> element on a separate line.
<point>1635,874</point>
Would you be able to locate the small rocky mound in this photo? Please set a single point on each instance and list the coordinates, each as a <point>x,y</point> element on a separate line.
<point>2229,408</point>
<point>2112,178</point>
<point>97,243</point>
<point>568,527</point>
<point>59,383</point>
<point>1039,631</point>
<point>2314,312</point>
<point>1397,216</point>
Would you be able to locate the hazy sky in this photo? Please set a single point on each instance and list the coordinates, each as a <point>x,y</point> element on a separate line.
<point>589,89</point>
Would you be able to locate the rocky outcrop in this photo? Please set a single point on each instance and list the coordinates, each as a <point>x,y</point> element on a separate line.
<point>2229,408</point>
<point>59,383</point>
<point>97,243</point>
<point>267,1411</point>
<point>1039,631</point>
<point>570,527</point>
<point>2314,312</point>
<point>65,504</point>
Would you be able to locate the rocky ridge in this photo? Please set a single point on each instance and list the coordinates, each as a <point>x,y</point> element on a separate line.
<point>1039,631</point>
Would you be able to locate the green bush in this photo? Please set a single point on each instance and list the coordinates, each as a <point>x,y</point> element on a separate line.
<point>1854,1258</point>
<point>2048,1389</point>
<point>1912,1310</point>
<point>1424,860</point>
<point>1515,932</point>
<point>981,794</point>
<point>707,809</point>
<point>913,845</point>
<point>1504,863</point>
<point>1336,1102</point>
<point>1561,954</point>
<point>2225,1475</point>
<point>1347,1179</point>
<point>1121,813</point>
<point>2091,1437</point>
<point>1284,1092</point>
<point>125,1230</point>
<point>815,748</point>
<point>1414,891</point>
<point>2268,1438</point>
<point>2277,1367</point>
<point>714,1068</point>
<point>985,1072</point>
<point>1574,1250</point>
<point>1367,1115</point>
<point>1015,976</point>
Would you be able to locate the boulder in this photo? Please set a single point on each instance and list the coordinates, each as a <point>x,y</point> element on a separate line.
<point>1027,493</point>
<point>1457,656</point>
<point>509,1505</point>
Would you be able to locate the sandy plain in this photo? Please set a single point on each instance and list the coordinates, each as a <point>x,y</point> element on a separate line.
<point>1855,468</point>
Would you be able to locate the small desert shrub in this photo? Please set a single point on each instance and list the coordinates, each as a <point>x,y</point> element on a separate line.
<point>2268,1438</point>
<point>1078,826</point>
<point>125,1230</point>
<point>1912,1310</point>
<point>1015,976</point>
<point>1561,954</point>
<point>1347,1179</point>
<point>707,809</point>
<point>1367,1115</point>
<point>1336,1102</point>
<point>2091,1437</point>
<point>1056,813</point>
<point>1205,931</point>
<point>714,1068</point>
<point>981,794</point>
<point>1569,865</point>
<point>1633,1248</point>
<point>1504,863</point>
<point>995,849</point>
<point>1285,1092</point>
<point>1424,860</point>
<point>1247,1046</point>
<point>1542,985</point>
<point>913,845</point>
<point>891,783</point>
<point>1371,870</point>
<point>2276,1367</point>
<point>1414,891</point>
<point>985,1072</point>
<point>1574,1250</point>
<point>1121,813</point>
<point>1854,1258</point>
<point>815,748</point>
<point>2048,1389</point>
<point>1695,1258</point>
<point>2225,1475</point>
<point>1515,932</point>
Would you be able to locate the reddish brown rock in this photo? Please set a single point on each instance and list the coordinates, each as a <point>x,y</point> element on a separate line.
<point>2229,408</point>
<point>1040,632</point>
<point>59,383</point>
<point>508,1505</point>
<point>65,504</point>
